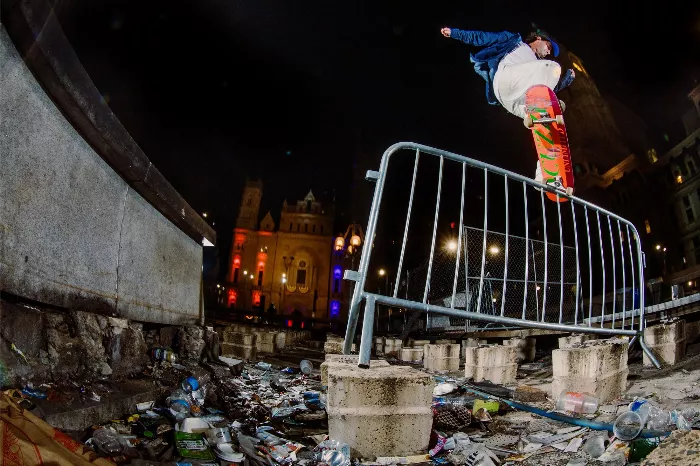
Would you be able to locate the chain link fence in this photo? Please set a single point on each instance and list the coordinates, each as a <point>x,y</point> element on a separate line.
<point>522,278</point>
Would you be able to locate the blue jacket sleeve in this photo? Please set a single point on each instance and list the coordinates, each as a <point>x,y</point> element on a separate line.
<point>565,81</point>
<point>480,38</point>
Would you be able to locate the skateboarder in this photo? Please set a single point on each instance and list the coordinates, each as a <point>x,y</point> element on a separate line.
<point>510,65</point>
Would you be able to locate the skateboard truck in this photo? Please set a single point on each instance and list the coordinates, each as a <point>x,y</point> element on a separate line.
<point>557,184</point>
<point>529,122</point>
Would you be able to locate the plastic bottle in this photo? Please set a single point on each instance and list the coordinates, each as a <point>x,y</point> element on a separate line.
<point>658,418</point>
<point>641,407</point>
<point>192,383</point>
<point>108,441</point>
<point>595,445</point>
<point>180,404</point>
<point>575,402</point>
<point>163,354</point>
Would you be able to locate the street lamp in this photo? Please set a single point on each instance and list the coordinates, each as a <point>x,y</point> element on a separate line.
<point>494,250</point>
<point>383,273</point>
<point>288,261</point>
<point>284,282</point>
<point>451,245</point>
<point>354,237</point>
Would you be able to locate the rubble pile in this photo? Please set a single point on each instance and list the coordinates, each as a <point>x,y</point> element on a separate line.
<point>214,410</point>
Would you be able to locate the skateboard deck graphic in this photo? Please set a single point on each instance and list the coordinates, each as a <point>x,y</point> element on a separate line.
<point>544,118</point>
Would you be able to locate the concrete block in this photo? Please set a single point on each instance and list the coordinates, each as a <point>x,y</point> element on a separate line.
<point>379,346</point>
<point>667,342</point>
<point>418,354</point>
<point>495,363</point>
<point>419,343</point>
<point>333,347</point>
<point>441,357</point>
<point>235,338</point>
<point>411,354</point>
<point>281,340</point>
<point>575,340</point>
<point>525,348</point>
<point>692,332</point>
<point>337,360</point>
<point>382,411</point>
<point>598,368</point>
<point>265,341</point>
<point>232,350</point>
<point>393,346</point>
<point>472,342</point>
<point>78,415</point>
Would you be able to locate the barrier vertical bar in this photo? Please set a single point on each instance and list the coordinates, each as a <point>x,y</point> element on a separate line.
<point>527,255</point>
<point>546,258</point>
<point>578,268</point>
<point>505,268</point>
<point>561,263</point>
<point>483,248</point>
<point>432,245</point>
<point>459,238</point>
<point>408,221</point>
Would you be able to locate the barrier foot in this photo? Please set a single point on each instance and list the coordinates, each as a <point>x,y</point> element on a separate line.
<point>648,352</point>
<point>367,333</point>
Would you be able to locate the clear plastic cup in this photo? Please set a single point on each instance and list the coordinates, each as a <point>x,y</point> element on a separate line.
<point>306,366</point>
<point>628,426</point>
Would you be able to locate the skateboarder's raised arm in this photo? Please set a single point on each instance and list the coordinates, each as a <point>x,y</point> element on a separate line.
<point>480,38</point>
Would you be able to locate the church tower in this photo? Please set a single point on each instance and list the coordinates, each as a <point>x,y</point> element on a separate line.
<point>250,206</point>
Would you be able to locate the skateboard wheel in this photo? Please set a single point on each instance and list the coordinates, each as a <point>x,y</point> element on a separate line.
<point>560,119</point>
<point>527,121</point>
<point>569,191</point>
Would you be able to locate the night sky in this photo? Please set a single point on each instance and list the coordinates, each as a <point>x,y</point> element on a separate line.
<point>308,94</point>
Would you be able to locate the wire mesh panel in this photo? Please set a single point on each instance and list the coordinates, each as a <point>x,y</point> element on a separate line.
<point>463,240</point>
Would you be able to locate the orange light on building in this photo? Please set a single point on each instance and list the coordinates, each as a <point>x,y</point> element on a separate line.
<point>232,296</point>
<point>256,298</point>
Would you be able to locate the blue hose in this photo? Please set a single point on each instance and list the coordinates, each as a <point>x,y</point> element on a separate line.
<point>562,417</point>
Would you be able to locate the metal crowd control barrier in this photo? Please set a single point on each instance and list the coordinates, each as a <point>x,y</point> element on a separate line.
<point>499,252</point>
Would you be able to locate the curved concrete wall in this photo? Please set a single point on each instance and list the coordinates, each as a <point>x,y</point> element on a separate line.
<point>73,232</point>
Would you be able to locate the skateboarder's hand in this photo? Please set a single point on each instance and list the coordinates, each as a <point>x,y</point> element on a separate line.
<point>446,32</point>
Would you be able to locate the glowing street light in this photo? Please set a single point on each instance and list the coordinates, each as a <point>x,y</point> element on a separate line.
<point>382,272</point>
<point>494,250</point>
<point>451,245</point>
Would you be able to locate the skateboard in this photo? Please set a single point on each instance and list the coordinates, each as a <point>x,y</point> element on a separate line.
<point>544,118</point>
